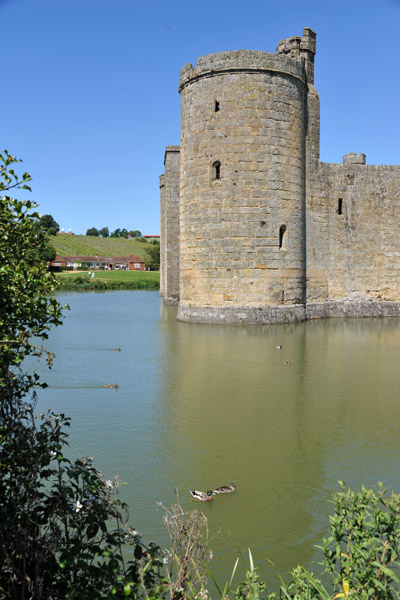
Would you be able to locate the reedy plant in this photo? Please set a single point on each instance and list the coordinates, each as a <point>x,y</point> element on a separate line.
<point>253,587</point>
<point>186,561</point>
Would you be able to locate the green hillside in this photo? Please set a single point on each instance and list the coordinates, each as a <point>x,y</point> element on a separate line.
<point>88,245</point>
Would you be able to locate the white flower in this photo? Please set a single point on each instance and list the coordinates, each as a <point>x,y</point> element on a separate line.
<point>165,560</point>
<point>77,506</point>
<point>52,453</point>
<point>109,484</point>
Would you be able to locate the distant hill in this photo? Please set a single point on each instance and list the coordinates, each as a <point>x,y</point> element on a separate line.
<point>88,245</point>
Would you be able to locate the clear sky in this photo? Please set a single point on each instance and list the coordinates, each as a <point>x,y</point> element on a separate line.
<point>89,89</point>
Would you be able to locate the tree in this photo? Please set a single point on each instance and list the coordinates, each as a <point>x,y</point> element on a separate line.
<point>93,231</point>
<point>154,252</point>
<point>61,525</point>
<point>118,233</point>
<point>104,232</point>
<point>44,253</point>
<point>49,224</point>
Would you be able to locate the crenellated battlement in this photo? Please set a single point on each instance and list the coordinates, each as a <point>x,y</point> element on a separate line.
<point>351,158</point>
<point>301,47</point>
<point>242,61</point>
<point>171,150</point>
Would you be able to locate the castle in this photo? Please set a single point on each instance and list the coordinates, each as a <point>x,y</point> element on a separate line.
<point>254,227</point>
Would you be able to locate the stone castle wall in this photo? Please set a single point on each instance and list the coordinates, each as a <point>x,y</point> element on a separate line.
<point>266,232</point>
<point>357,224</point>
<point>170,233</point>
<point>163,227</point>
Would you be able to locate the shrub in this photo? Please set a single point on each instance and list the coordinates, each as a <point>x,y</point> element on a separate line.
<point>62,527</point>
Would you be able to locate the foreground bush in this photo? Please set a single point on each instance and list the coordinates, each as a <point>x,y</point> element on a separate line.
<point>361,555</point>
<point>62,528</point>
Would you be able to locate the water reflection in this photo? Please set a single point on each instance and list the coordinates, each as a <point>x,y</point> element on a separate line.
<point>201,406</point>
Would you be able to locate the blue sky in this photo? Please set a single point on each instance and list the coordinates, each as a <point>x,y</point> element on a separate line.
<point>90,98</point>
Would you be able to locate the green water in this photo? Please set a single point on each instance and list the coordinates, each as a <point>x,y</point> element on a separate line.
<point>201,406</point>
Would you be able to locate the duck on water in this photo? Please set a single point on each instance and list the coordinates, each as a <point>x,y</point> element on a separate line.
<point>208,496</point>
<point>202,496</point>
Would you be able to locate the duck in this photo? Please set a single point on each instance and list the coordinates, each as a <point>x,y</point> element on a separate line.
<point>279,347</point>
<point>225,489</point>
<point>116,349</point>
<point>112,385</point>
<point>202,496</point>
<point>287,364</point>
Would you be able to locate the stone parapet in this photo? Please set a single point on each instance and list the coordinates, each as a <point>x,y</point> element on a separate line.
<point>246,61</point>
<point>301,47</point>
<point>353,159</point>
<point>171,149</point>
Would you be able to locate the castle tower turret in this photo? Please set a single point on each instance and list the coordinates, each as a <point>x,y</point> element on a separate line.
<point>242,193</point>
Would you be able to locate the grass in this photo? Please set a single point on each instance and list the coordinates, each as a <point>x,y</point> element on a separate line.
<point>88,245</point>
<point>109,280</point>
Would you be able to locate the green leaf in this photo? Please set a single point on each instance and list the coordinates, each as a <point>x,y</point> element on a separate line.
<point>251,562</point>
<point>213,580</point>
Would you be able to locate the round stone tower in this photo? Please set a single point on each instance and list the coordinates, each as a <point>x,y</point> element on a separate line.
<point>242,184</point>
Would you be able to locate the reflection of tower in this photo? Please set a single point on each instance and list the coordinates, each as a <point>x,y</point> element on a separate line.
<point>242,196</point>
<point>231,411</point>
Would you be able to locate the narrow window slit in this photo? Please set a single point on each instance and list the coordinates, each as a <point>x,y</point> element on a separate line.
<point>216,170</point>
<point>282,231</point>
<point>216,106</point>
<point>339,209</point>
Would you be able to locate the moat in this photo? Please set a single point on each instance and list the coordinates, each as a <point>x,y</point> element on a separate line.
<point>200,406</point>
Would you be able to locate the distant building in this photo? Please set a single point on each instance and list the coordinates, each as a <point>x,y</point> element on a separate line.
<point>150,238</point>
<point>112,263</point>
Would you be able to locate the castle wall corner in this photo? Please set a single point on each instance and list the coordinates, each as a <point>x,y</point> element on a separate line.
<point>169,226</point>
